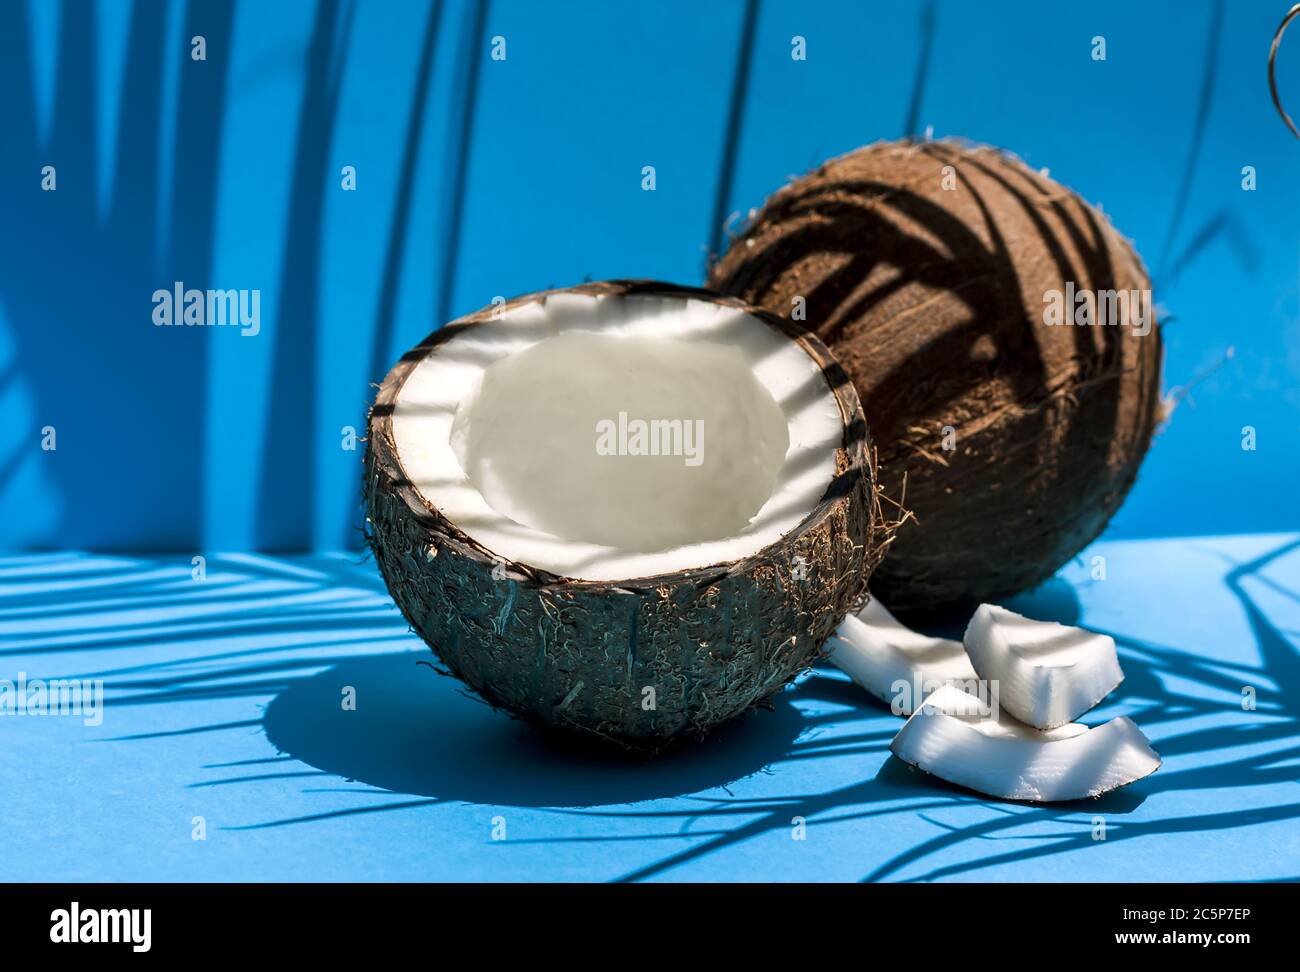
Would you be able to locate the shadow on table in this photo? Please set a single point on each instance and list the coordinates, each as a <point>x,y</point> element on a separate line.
<point>1176,684</point>
<point>419,732</point>
<point>300,631</point>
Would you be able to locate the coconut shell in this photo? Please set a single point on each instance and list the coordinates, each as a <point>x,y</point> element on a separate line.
<point>644,661</point>
<point>1011,442</point>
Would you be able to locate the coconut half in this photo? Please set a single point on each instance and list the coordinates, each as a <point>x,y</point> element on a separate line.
<point>626,507</point>
<point>955,737</point>
<point>1048,674</point>
<point>897,665</point>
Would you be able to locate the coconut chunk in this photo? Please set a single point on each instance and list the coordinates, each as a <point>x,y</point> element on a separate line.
<point>1048,674</point>
<point>894,663</point>
<point>956,737</point>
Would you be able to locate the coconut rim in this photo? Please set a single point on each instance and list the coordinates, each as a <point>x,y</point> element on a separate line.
<point>853,452</point>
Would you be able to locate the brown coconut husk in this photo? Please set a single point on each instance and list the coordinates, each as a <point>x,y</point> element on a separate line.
<point>932,300</point>
<point>578,654</point>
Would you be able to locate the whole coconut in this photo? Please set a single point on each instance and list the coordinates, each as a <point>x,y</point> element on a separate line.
<point>927,268</point>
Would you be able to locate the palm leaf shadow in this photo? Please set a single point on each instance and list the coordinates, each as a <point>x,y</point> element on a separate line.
<point>285,511</point>
<point>114,259</point>
<point>1279,662</point>
<point>395,753</point>
<point>1208,81</point>
<point>472,60</point>
<point>735,121</point>
<point>386,312</point>
<point>929,20</point>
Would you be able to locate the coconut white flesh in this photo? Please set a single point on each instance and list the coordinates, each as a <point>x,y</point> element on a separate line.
<point>499,429</point>
<point>1048,674</point>
<point>951,738</point>
<point>894,663</point>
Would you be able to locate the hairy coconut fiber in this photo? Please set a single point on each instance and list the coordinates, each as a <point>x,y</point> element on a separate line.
<point>1017,440</point>
<point>581,654</point>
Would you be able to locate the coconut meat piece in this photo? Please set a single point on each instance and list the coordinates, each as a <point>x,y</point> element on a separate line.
<point>954,736</point>
<point>894,663</point>
<point>619,437</point>
<point>1048,674</point>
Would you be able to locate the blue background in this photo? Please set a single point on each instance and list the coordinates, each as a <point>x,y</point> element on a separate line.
<point>479,178</point>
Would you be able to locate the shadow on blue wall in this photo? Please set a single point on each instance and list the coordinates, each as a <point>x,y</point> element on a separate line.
<point>75,268</point>
<point>285,510</point>
<point>129,470</point>
<point>140,455</point>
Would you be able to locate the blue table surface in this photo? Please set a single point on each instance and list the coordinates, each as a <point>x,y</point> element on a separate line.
<point>224,701</point>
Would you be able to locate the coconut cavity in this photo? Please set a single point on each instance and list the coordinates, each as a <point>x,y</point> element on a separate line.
<point>639,582</point>
<point>614,439</point>
<point>964,295</point>
<point>642,443</point>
